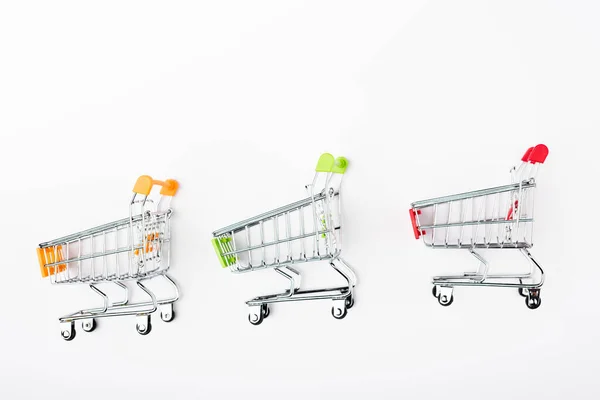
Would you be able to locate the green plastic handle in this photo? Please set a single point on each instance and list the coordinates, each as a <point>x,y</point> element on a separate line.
<point>341,163</point>
<point>327,163</point>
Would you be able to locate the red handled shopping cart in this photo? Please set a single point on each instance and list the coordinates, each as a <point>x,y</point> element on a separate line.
<point>494,218</point>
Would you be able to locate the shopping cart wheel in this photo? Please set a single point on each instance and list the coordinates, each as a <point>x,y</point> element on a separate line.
<point>349,302</point>
<point>339,312</point>
<point>256,315</point>
<point>533,300</point>
<point>143,325</point>
<point>67,330</point>
<point>88,325</point>
<point>445,300</point>
<point>166,312</point>
<point>266,310</point>
<point>167,317</point>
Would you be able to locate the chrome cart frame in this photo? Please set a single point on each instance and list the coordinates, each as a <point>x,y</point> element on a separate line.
<point>495,218</point>
<point>130,249</point>
<point>305,231</point>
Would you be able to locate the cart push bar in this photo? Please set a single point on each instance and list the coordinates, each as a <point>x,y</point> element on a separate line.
<point>495,218</point>
<point>136,248</point>
<point>308,230</point>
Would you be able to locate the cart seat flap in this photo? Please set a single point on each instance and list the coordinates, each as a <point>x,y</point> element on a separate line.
<point>223,245</point>
<point>413,218</point>
<point>47,256</point>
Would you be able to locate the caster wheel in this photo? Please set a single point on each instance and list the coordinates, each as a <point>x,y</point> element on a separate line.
<point>349,302</point>
<point>145,327</point>
<point>167,316</point>
<point>434,292</point>
<point>338,312</point>
<point>523,292</point>
<point>256,319</point>
<point>445,300</point>
<point>533,300</point>
<point>266,310</point>
<point>89,325</point>
<point>69,333</point>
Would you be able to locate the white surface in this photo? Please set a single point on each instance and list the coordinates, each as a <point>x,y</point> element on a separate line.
<point>237,100</point>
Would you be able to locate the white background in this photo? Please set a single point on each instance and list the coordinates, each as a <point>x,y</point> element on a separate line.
<point>237,100</point>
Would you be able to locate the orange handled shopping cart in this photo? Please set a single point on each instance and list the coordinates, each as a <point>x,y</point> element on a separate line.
<point>136,248</point>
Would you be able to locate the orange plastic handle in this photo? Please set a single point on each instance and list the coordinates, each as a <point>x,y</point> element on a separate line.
<point>144,185</point>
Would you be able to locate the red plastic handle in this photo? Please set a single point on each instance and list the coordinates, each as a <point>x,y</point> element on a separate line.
<point>538,154</point>
<point>413,219</point>
<point>525,157</point>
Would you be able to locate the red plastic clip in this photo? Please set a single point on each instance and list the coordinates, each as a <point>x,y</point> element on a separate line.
<point>413,219</point>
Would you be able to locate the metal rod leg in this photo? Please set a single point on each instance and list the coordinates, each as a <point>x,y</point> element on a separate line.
<point>124,287</point>
<point>486,266</point>
<point>175,289</point>
<point>349,276</point>
<point>533,262</point>
<point>298,277</point>
<point>90,312</point>
<point>103,295</point>
<point>349,272</point>
<point>152,296</point>
<point>290,278</point>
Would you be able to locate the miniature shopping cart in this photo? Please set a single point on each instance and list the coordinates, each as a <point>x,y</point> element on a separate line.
<point>495,218</point>
<point>130,249</point>
<point>305,231</point>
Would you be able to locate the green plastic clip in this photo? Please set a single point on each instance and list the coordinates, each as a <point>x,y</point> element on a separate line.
<point>223,245</point>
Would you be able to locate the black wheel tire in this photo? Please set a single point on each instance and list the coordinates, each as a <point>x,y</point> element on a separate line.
<point>448,303</point>
<point>349,302</point>
<point>434,292</point>
<point>260,318</point>
<point>533,302</point>
<point>266,310</point>
<point>522,292</point>
<point>72,336</point>
<point>171,317</point>
<point>147,331</point>
<point>342,316</point>
<point>93,328</point>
